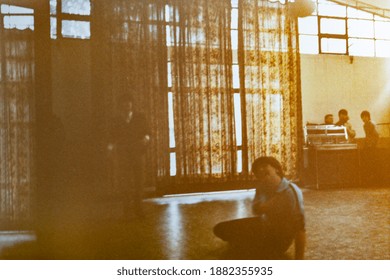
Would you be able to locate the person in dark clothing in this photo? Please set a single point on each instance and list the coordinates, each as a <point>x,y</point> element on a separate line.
<point>343,121</point>
<point>372,135</point>
<point>279,216</point>
<point>129,137</point>
<point>369,153</point>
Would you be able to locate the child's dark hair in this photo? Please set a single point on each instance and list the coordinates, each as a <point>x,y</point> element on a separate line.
<point>261,161</point>
<point>365,114</point>
<point>343,112</point>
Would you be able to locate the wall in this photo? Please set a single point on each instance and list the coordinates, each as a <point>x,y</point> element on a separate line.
<point>333,82</point>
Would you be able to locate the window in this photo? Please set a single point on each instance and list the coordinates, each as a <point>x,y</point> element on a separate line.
<point>360,28</point>
<point>17,17</point>
<point>332,26</point>
<point>338,29</point>
<point>361,47</point>
<point>332,45</point>
<point>70,19</point>
<point>308,38</point>
<point>236,82</point>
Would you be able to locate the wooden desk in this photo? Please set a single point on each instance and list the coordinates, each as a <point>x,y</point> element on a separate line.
<point>332,166</point>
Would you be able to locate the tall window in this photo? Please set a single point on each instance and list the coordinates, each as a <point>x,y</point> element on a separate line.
<point>16,114</point>
<point>236,83</point>
<point>258,81</point>
<point>200,96</point>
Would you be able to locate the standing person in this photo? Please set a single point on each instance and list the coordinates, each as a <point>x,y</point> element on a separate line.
<point>279,216</point>
<point>372,135</point>
<point>343,121</point>
<point>129,137</point>
<point>370,163</point>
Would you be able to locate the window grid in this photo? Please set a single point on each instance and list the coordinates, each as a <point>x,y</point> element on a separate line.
<point>365,34</point>
<point>70,19</point>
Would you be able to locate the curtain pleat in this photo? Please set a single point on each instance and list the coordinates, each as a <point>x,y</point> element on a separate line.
<point>271,90</point>
<point>201,59</point>
<point>16,127</point>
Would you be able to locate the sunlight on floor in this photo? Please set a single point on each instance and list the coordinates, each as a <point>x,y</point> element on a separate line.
<point>194,198</point>
<point>10,238</point>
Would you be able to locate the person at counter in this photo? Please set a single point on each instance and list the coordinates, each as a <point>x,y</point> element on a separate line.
<point>369,155</point>
<point>343,121</point>
<point>328,119</point>
<point>372,135</point>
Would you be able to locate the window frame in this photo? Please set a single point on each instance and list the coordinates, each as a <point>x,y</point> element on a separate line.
<point>353,14</point>
<point>59,17</point>
<point>332,35</point>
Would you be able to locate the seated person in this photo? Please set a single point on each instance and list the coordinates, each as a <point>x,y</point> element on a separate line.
<point>328,119</point>
<point>343,121</point>
<point>279,216</point>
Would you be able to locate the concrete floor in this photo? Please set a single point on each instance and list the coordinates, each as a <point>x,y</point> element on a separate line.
<point>341,224</point>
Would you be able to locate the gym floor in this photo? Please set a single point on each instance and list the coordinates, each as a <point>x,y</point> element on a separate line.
<point>349,223</point>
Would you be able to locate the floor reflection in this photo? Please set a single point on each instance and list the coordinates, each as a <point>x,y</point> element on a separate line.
<point>174,230</point>
<point>181,227</point>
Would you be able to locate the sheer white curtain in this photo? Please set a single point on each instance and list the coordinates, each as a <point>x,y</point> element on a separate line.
<point>16,126</point>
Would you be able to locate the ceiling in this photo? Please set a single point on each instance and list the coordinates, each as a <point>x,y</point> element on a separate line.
<point>383,4</point>
<point>378,7</point>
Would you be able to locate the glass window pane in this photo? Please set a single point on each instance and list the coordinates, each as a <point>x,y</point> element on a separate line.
<point>354,13</point>
<point>237,118</point>
<point>332,26</point>
<point>19,22</point>
<point>76,29</point>
<point>168,35</point>
<point>361,28</point>
<point>167,13</point>
<point>308,44</point>
<point>172,143</point>
<point>382,30</point>
<point>53,7</point>
<point>234,19</point>
<point>239,161</point>
<point>361,47</point>
<point>10,9</point>
<point>382,48</point>
<point>76,7</point>
<point>169,70</point>
<point>330,9</point>
<point>330,45</point>
<point>236,76</point>
<point>381,18</point>
<point>308,25</point>
<point>235,3</point>
<point>53,27</point>
<point>172,157</point>
<point>234,38</point>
